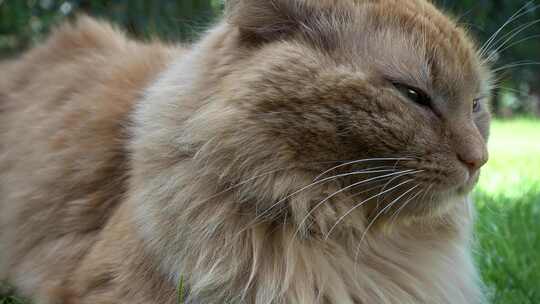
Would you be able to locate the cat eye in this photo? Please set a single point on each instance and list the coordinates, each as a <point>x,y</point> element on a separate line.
<point>414,94</point>
<point>477,106</point>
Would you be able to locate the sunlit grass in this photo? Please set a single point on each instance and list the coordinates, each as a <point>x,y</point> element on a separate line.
<point>508,227</point>
<point>514,166</point>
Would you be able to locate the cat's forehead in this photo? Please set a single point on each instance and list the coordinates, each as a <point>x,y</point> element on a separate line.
<point>415,43</point>
<point>409,41</point>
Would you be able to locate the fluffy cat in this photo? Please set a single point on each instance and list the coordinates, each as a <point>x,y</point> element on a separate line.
<point>302,152</point>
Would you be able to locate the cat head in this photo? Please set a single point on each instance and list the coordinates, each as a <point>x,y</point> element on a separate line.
<point>380,102</point>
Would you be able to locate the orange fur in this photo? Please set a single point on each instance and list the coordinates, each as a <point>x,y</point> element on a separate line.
<point>125,167</point>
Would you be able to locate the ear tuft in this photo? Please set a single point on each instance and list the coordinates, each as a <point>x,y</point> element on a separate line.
<point>262,21</point>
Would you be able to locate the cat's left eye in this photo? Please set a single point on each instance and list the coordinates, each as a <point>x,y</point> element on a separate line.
<point>414,94</point>
<point>477,106</point>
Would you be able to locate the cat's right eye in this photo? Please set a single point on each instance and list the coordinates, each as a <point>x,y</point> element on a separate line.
<point>414,94</point>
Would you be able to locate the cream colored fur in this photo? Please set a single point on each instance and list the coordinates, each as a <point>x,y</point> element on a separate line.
<point>128,167</point>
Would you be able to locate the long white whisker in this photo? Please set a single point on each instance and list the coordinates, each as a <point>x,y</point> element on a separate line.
<point>384,211</point>
<point>371,223</point>
<point>514,65</point>
<point>342,190</point>
<point>395,216</point>
<point>386,185</point>
<point>494,40</point>
<point>432,196</point>
<point>357,162</point>
<point>366,190</point>
<point>317,183</point>
<point>518,42</point>
<point>402,195</point>
<point>513,34</point>
<point>364,234</point>
<point>485,48</point>
<point>249,180</point>
<point>361,203</point>
<point>243,183</point>
<point>320,204</point>
<point>428,188</point>
<point>519,92</point>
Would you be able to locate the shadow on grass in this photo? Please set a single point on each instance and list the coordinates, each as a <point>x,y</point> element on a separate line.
<point>7,297</point>
<point>508,251</point>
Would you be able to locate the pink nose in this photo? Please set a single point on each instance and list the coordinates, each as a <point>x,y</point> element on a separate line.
<point>473,161</point>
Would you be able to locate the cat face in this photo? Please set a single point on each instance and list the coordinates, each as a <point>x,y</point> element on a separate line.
<point>388,99</point>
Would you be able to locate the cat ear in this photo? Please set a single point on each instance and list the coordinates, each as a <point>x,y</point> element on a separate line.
<point>262,21</point>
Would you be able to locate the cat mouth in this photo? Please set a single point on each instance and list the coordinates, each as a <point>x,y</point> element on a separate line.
<point>414,188</point>
<point>427,196</point>
<point>456,180</point>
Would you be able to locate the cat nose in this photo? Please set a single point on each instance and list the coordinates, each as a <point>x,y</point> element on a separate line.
<point>473,159</point>
<point>470,146</point>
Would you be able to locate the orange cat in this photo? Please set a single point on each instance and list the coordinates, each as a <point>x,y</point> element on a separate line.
<point>302,152</point>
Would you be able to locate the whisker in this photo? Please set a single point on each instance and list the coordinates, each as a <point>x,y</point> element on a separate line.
<point>515,31</point>
<point>320,182</point>
<point>515,65</point>
<point>463,15</point>
<point>396,214</point>
<point>518,14</point>
<point>367,190</point>
<point>341,191</point>
<point>518,42</point>
<point>357,162</point>
<point>373,221</point>
<point>519,92</point>
<point>509,36</point>
<point>362,203</point>
<point>256,177</point>
<point>401,196</point>
<point>428,188</point>
<point>386,185</point>
<point>432,196</point>
<point>320,204</point>
<point>244,182</point>
<point>365,232</point>
<point>384,211</point>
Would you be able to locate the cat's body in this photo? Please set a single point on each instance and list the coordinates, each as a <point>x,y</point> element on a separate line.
<point>109,195</point>
<point>65,120</point>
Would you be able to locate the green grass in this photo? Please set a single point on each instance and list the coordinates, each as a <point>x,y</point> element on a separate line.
<point>8,299</point>
<point>508,227</point>
<point>11,300</point>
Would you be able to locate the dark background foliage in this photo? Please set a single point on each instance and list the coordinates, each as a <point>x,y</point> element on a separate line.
<point>25,22</point>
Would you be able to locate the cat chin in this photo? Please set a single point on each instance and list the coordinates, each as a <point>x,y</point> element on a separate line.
<point>460,186</point>
<point>437,206</point>
<point>448,202</point>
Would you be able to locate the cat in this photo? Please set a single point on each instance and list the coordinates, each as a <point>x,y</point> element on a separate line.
<point>301,152</point>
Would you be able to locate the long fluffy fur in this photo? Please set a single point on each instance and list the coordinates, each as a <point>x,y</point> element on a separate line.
<point>127,167</point>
